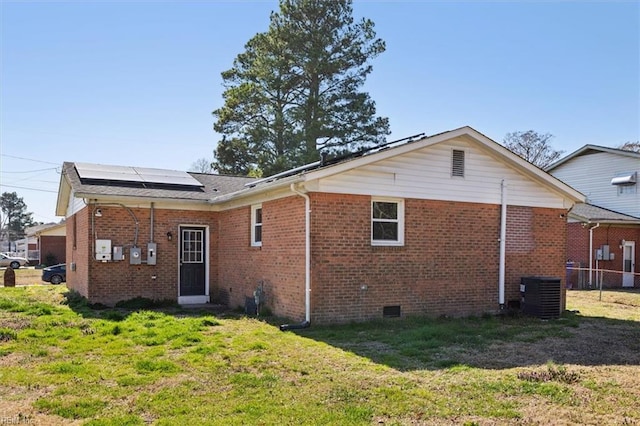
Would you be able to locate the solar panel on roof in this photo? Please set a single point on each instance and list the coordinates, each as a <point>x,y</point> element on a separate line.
<point>135,174</point>
<point>101,172</point>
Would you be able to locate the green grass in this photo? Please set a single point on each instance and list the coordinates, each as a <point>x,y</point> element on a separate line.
<point>61,361</point>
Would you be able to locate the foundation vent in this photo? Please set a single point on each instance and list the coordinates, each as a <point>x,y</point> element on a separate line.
<point>391,311</point>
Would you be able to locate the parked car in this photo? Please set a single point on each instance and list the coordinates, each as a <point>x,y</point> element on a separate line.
<point>13,261</point>
<point>55,274</point>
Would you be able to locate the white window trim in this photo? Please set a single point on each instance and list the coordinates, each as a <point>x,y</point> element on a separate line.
<point>254,208</point>
<point>400,221</point>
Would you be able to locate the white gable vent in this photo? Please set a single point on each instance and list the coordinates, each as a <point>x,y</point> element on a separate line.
<point>627,179</point>
<point>457,163</point>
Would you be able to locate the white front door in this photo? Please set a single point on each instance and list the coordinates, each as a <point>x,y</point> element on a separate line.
<point>628,263</point>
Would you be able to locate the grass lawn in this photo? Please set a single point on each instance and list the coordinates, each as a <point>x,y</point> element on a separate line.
<point>64,363</point>
<point>26,276</point>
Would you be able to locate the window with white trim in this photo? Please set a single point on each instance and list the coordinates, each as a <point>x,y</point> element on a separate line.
<point>256,225</point>
<point>387,222</point>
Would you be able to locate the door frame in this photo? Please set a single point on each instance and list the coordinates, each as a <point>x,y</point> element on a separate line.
<point>628,276</point>
<point>197,299</point>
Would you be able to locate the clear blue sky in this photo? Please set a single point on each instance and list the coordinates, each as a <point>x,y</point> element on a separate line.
<point>134,83</point>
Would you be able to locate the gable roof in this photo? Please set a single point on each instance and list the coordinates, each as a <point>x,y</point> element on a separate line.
<point>593,214</point>
<point>212,185</point>
<point>319,170</point>
<point>218,189</point>
<point>593,149</point>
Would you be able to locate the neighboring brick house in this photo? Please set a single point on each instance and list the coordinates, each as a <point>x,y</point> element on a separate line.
<point>440,225</point>
<point>50,242</point>
<point>604,233</point>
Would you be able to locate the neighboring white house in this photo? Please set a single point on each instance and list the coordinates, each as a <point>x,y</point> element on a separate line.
<point>604,233</point>
<point>607,176</point>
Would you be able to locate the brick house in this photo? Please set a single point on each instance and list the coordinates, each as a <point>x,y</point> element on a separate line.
<point>604,232</point>
<point>439,225</point>
<point>50,246</point>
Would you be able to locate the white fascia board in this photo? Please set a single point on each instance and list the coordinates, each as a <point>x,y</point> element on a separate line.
<point>130,201</point>
<point>255,198</point>
<point>256,192</point>
<point>64,191</point>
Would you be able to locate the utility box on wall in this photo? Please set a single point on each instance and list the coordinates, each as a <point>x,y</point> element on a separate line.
<point>151,253</point>
<point>118,253</point>
<point>135,256</point>
<point>103,250</point>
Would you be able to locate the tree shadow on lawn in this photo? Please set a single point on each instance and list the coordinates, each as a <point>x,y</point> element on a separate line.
<point>488,342</point>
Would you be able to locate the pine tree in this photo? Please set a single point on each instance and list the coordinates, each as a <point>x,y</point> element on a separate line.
<point>295,90</point>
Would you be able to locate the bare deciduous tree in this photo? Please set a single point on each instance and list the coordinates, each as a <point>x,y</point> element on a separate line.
<point>533,147</point>
<point>630,146</point>
<point>201,165</point>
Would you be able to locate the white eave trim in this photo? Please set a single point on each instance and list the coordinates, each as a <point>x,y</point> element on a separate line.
<point>258,189</point>
<point>137,198</point>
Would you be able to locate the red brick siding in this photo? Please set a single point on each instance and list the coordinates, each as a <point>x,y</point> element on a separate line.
<point>611,235</point>
<point>78,252</point>
<point>536,246</point>
<point>54,245</point>
<point>278,264</point>
<point>448,265</point>
<point>110,282</point>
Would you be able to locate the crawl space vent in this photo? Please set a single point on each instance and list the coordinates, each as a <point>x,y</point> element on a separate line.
<point>391,311</point>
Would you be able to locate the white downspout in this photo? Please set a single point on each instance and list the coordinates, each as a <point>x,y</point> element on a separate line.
<point>503,242</point>
<point>591,253</point>
<point>307,252</point>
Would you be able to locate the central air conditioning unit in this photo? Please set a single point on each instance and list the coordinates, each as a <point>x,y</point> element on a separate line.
<point>541,297</point>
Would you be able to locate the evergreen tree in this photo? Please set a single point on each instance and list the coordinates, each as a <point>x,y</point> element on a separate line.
<point>14,218</point>
<point>295,90</point>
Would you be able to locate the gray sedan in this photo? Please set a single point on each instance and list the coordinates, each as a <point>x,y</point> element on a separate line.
<point>14,262</point>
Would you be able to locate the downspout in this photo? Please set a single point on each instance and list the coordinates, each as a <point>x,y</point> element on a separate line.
<point>307,262</point>
<point>591,253</point>
<point>503,242</point>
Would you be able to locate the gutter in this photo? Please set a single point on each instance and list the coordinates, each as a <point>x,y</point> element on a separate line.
<point>597,225</point>
<point>307,262</point>
<point>503,242</point>
<point>249,191</point>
